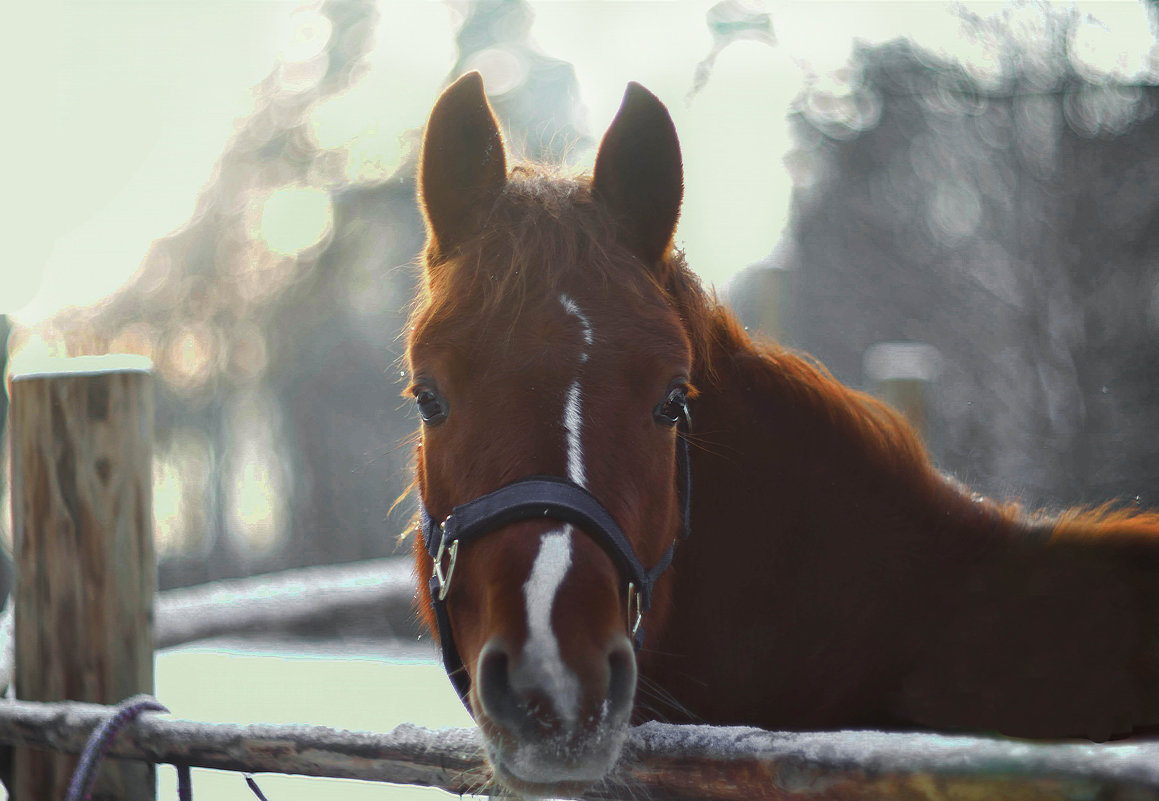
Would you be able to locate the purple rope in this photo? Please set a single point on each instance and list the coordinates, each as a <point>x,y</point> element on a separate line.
<point>99,741</point>
<point>184,783</point>
<point>249,780</point>
<point>97,748</point>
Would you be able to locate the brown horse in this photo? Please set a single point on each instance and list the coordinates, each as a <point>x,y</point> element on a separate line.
<point>832,576</point>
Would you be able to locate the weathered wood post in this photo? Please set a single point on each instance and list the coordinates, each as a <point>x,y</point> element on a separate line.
<point>82,515</point>
<point>764,297</point>
<point>900,373</point>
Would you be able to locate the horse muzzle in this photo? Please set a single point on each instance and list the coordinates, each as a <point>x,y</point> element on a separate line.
<point>545,735</point>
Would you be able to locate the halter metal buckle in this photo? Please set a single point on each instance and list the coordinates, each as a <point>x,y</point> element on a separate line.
<point>444,579</point>
<point>634,603</point>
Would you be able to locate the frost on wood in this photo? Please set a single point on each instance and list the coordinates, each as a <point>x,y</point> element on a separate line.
<point>660,761</point>
<point>733,761</point>
<point>450,759</point>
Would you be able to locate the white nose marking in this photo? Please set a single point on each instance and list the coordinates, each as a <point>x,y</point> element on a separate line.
<point>541,655</point>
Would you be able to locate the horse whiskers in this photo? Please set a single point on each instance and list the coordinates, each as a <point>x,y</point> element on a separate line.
<point>643,713</point>
<point>493,789</point>
<point>658,652</point>
<point>651,705</point>
<point>701,441</point>
<point>408,441</point>
<point>476,780</point>
<point>653,691</point>
<point>616,786</point>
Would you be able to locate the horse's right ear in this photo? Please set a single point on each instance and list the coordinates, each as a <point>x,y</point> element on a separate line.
<point>463,164</point>
<point>639,174</point>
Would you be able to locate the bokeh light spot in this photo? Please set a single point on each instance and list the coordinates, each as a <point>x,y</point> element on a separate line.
<point>190,357</point>
<point>255,478</point>
<point>954,211</point>
<point>309,33</point>
<point>503,71</point>
<point>181,473</point>
<point>294,219</point>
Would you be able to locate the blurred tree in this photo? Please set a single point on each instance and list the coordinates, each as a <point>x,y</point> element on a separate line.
<point>535,95</point>
<point>1008,217</point>
<point>274,315</point>
<point>5,556</point>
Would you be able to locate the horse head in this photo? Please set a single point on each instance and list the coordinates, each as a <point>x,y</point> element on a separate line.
<point>551,371</point>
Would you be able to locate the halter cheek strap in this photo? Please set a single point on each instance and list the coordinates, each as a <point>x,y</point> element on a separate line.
<point>554,498</point>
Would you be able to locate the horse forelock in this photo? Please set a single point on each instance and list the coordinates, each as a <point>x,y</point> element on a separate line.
<point>543,233</point>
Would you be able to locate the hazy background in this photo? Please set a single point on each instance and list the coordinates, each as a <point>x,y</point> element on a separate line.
<point>228,188</point>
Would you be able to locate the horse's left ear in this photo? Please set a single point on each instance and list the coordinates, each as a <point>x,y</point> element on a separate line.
<point>639,174</point>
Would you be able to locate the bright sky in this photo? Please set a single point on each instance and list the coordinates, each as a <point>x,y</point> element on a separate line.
<point>117,110</point>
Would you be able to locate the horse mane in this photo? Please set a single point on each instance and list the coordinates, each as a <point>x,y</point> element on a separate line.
<point>717,335</point>
<point>1108,521</point>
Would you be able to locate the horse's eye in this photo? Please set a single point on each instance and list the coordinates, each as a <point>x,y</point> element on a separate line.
<point>673,408</point>
<point>432,408</point>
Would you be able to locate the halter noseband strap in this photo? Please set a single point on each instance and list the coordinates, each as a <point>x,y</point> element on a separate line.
<point>554,498</point>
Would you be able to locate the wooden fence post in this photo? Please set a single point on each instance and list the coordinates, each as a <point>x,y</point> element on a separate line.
<point>900,373</point>
<point>82,514</point>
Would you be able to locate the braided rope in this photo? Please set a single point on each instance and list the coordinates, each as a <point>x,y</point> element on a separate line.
<point>97,747</point>
<point>249,780</point>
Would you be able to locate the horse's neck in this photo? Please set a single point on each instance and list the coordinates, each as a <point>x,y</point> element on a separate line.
<point>822,530</point>
<point>824,460</point>
<point>815,527</point>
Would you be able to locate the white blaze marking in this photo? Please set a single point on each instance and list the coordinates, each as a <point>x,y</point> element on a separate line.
<point>572,408</point>
<point>572,422</point>
<point>553,560</point>
<point>541,651</point>
<point>574,311</point>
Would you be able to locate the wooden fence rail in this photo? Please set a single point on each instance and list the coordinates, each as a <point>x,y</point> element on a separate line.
<point>310,597</point>
<point>662,762</point>
<point>289,601</point>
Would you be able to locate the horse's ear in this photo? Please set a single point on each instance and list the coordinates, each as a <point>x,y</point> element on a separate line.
<point>639,173</point>
<point>463,163</point>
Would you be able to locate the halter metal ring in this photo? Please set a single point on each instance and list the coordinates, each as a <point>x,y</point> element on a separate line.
<point>444,579</point>
<point>634,604</point>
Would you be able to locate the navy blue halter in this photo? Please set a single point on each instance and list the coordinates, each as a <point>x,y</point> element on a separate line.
<point>554,498</point>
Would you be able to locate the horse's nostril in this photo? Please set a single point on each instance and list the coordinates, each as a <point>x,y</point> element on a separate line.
<point>621,680</point>
<point>513,694</point>
<point>520,696</point>
<point>495,692</point>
